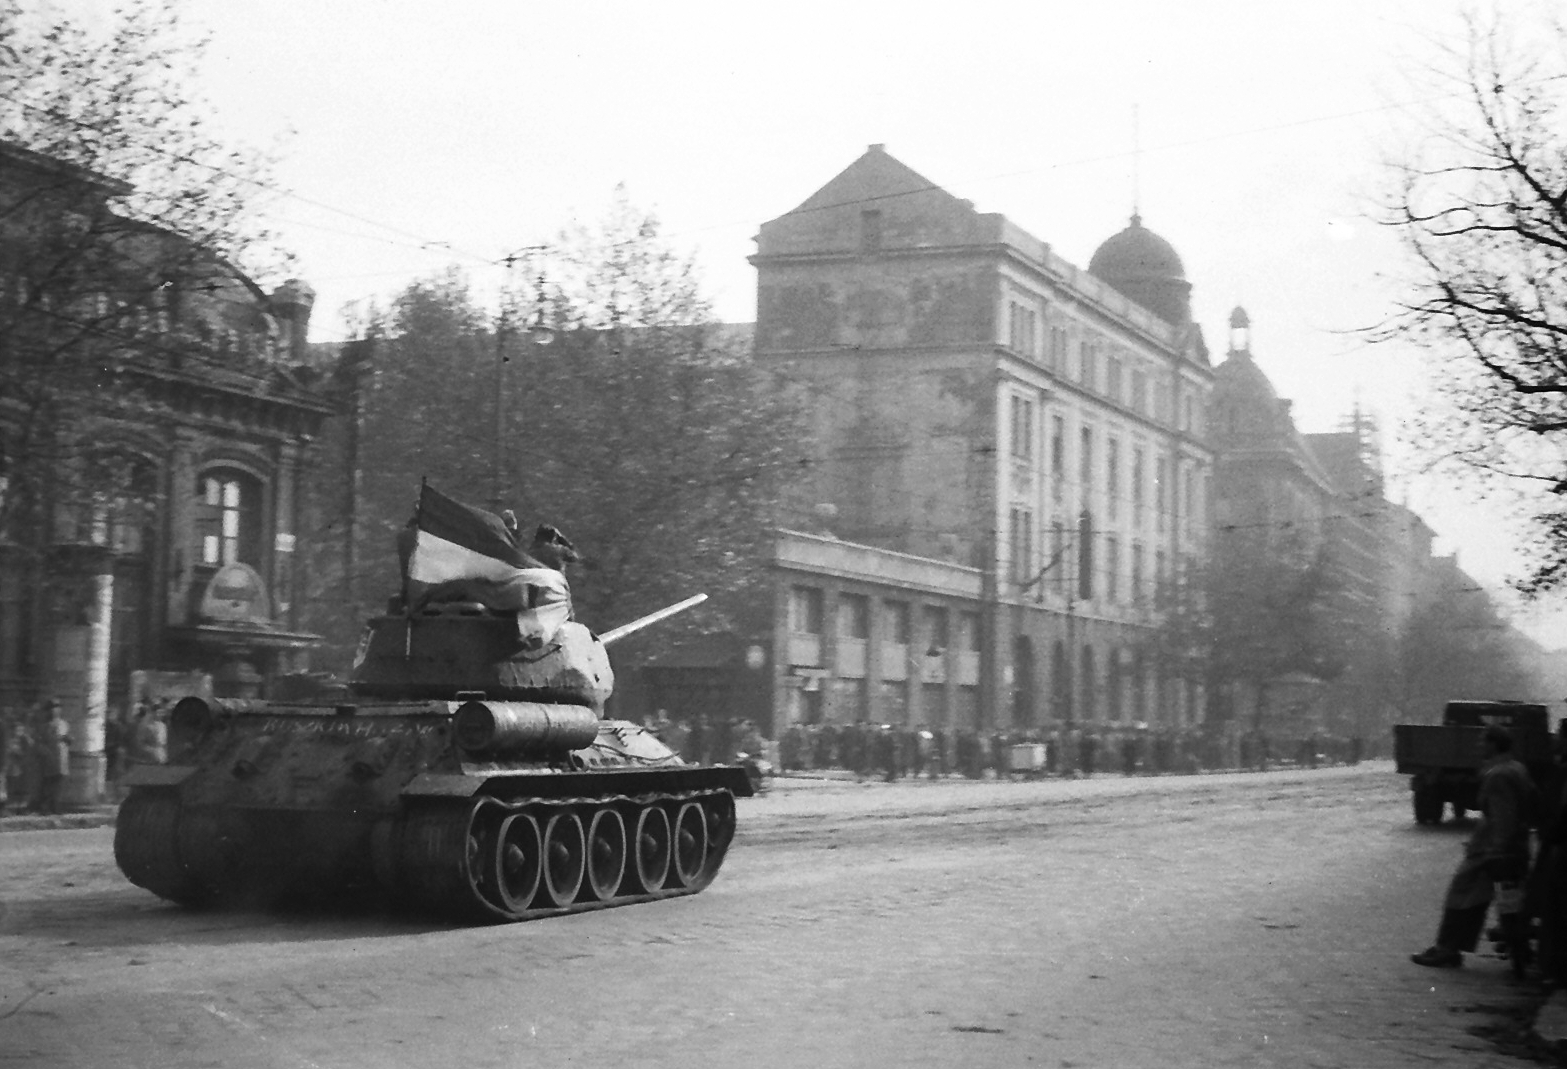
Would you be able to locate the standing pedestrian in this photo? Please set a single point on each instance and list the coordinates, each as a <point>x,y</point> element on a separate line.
<point>1496,859</point>
<point>152,737</point>
<point>53,749</point>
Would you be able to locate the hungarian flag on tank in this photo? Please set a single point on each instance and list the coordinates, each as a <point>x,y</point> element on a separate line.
<point>455,552</point>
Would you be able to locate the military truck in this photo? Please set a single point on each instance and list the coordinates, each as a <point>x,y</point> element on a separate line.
<point>1443,760</point>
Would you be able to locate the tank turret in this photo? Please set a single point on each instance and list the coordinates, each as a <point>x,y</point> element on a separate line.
<point>468,769</point>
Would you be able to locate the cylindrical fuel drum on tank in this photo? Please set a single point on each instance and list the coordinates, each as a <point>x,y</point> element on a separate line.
<point>520,728</point>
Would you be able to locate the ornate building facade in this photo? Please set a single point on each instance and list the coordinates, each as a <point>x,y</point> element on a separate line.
<point>154,426</point>
<point>1032,432</point>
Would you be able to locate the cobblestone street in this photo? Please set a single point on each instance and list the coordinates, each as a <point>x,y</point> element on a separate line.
<point>1221,920</point>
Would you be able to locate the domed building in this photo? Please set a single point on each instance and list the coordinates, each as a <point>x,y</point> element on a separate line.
<point>1145,268</point>
<point>1265,474</point>
<point>1015,452</point>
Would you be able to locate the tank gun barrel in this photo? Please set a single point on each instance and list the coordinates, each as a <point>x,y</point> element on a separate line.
<point>650,619</point>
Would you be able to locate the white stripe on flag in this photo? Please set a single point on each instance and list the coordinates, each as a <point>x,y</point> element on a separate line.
<point>436,560</point>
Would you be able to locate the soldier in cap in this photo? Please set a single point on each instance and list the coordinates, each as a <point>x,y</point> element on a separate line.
<point>1496,859</point>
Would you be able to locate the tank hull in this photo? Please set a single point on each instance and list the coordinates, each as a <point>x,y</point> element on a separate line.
<point>391,801</point>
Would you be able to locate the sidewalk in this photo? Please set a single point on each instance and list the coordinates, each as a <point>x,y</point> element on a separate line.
<point>96,816</point>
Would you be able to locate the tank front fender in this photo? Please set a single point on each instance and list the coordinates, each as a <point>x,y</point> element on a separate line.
<point>442,785</point>
<point>157,775</point>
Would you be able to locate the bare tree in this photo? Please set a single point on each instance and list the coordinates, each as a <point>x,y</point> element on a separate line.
<point>1481,203</point>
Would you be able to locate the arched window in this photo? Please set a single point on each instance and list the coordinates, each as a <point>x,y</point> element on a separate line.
<point>228,518</point>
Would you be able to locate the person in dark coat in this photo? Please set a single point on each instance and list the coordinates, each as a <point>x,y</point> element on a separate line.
<point>53,750</point>
<point>1496,859</point>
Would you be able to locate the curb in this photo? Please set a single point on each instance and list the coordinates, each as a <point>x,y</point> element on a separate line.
<point>95,817</point>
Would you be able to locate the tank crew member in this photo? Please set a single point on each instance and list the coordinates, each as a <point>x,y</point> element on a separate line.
<point>1496,857</point>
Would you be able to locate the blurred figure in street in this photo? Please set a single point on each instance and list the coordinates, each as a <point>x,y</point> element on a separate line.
<point>1496,859</point>
<point>151,735</point>
<point>52,747</point>
<point>16,763</point>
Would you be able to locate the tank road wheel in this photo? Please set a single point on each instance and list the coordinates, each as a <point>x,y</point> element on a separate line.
<point>606,855</point>
<point>650,858</point>
<point>442,858</point>
<point>720,829</point>
<point>564,857</point>
<point>690,844</point>
<point>518,861</point>
<point>146,847</point>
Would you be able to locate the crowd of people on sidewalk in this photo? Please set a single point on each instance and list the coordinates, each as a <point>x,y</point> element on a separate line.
<point>894,751</point>
<point>35,751</point>
<point>897,751</point>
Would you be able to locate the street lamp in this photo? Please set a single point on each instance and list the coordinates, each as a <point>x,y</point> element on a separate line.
<point>540,334</point>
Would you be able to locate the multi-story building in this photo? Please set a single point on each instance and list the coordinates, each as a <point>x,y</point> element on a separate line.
<point>153,428</point>
<point>1006,442</point>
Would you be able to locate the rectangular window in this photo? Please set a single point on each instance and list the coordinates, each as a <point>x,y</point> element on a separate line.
<point>1022,545</point>
<point>1140,392</point>
<point>1113,378</point>
<point>1138,518</point>
<point>1112,569</point>
<point>1022,324</point>
<point>1058,561</point>
<point>854,616</point>
<point>1087,369</point>
<point>1057,456</point>
<point>897,622</point>
<point>805,610</point>
<point>1161,483</point>
<point>936,634</point>
<point>1113,477</point>
<point>1085,463</point>
<point>1022,428</point>
<point>1137,574</point>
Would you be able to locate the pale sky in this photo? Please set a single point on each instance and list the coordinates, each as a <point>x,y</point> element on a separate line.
<point>415,135</point>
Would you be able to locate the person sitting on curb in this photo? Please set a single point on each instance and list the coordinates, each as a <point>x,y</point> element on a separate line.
<point>1496,857</point>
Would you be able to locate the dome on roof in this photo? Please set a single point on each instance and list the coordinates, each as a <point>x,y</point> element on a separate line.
<point>1144,267</point>
<point>1136,253</point>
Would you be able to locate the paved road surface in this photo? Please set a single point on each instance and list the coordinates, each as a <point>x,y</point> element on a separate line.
<point>1226,920</point>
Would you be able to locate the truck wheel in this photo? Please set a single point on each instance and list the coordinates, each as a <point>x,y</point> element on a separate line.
<point>1428,806</point>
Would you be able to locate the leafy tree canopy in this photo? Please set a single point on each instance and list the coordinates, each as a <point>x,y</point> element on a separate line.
<point>638,426</point>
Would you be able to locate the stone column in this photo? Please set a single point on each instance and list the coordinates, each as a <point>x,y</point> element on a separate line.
<point>181,527</point>
<point>79,668</point>
<point>283,572</point>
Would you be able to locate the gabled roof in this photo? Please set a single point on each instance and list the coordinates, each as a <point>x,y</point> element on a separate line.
<point>917,213</point>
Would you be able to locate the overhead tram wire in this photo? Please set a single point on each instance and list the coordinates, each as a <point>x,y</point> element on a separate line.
<point>1085,161</point>
<point>423,241</point>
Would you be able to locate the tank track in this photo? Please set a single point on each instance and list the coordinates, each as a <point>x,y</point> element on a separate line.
<point>480,858</point>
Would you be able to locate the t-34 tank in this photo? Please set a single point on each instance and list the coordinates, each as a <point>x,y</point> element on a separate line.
<point>469,771</point>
